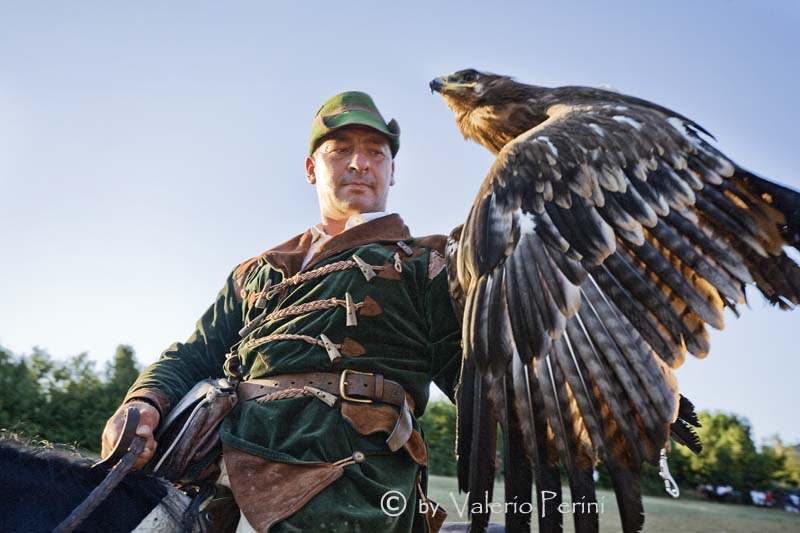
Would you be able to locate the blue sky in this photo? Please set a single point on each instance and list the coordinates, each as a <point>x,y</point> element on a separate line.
<point>146,149</point>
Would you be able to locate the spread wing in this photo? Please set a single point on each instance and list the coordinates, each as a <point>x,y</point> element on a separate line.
<point>601,244</point>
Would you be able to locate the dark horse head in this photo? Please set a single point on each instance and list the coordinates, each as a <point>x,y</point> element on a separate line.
<point>39,488</point>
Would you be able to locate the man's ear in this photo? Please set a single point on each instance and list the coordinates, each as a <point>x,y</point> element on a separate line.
<point>392,180</point>
<point>310,176</point>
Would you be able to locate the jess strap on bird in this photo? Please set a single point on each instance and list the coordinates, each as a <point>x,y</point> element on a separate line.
<point>348,385</point>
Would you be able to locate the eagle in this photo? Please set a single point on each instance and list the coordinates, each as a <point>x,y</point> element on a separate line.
<point>608,233</point>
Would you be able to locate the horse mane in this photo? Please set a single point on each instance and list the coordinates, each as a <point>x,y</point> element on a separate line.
<point>40,468</point>
<point>75,469</point>
<point>27,448</point>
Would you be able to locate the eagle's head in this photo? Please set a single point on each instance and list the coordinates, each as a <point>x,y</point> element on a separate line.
<point>464,89</point>
<point>489,108</point>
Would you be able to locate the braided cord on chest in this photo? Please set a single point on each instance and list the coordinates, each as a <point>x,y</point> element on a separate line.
<point>285,337</point>
<point>302,277</point>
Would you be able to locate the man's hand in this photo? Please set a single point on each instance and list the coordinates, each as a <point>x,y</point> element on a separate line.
<point>148,421</point>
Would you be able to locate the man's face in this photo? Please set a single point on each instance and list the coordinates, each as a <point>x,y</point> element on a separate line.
<point>352,170</point>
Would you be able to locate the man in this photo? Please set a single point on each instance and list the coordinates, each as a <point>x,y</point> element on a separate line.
<point>336,334</point>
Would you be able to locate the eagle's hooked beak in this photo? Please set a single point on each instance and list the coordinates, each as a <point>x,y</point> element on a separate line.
<point>436,84</point>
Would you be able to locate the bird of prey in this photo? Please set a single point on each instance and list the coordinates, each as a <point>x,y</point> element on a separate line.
<point>607,234</point>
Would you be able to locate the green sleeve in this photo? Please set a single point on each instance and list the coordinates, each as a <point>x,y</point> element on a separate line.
<point>167,380</point>
<point>445,335</point>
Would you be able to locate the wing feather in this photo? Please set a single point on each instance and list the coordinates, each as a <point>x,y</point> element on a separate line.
<point>712,246</point>
<point>691,257</point>
<point>702,303</point>
<point>650,321</point>
<point>527,325</point>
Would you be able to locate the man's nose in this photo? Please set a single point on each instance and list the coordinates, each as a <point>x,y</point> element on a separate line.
<point>360,161</point>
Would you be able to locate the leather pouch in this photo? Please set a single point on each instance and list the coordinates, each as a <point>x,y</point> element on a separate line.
<point>188,438</point>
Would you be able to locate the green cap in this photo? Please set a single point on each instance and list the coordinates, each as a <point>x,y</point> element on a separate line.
<point>352,108</point>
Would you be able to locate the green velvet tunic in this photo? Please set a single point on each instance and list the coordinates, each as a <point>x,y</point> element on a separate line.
<point>408,333</point>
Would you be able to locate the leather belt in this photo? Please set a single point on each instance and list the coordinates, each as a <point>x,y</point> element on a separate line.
<point>361,387</point>
<point>349,385</point>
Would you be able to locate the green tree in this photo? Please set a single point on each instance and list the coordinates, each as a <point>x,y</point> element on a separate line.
<point>729,456</point>
<point>65,401</point>
<point>121,372</point>
<point>20,394</point>
<point>785,462</point>
<point>77,403</point>
<point>439,424</point>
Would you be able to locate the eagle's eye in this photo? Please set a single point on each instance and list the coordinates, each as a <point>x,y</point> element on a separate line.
<point>470,76</point>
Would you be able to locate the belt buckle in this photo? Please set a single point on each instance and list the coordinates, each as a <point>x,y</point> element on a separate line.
<point>343,386</point>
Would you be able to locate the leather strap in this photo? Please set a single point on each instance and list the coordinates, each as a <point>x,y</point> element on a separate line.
<point>359,386</point>
<point>129,425</point>
<point>402,429</point>
<point>125,454</point>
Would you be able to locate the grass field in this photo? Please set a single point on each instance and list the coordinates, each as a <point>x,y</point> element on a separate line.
<point>684,515</point>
